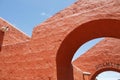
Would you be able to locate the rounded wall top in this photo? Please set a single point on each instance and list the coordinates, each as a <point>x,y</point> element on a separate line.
<point>78,13</point>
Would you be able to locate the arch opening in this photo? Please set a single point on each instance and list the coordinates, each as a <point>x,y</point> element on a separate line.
<point>108,75</point>
<point>85,47</point>
<point>88,31</point>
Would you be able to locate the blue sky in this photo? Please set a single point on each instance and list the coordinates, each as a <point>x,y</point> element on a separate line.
<point>26,14</point>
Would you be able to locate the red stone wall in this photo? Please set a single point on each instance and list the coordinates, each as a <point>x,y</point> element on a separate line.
<point>13,35</point>
<point>22,58</point>
<point>78,74</point>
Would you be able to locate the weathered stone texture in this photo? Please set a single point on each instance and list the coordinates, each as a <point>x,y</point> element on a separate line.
<point>24,58</point>
<point>13,35</point>
<point>86,7</point>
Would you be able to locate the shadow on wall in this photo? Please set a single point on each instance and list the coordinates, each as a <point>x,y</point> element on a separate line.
<point>1,39</point>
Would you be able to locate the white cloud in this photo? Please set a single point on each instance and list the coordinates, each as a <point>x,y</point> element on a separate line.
<point>43,14</point>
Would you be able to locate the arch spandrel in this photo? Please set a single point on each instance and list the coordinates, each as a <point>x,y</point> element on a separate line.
<point>60,31</point>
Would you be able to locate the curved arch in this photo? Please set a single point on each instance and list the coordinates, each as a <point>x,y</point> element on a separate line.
<point>90,30</point>
<point>102,70</point>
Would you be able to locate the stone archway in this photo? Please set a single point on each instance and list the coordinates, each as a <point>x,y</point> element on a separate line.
<point>104,56</point>
<point>102,70</point>
<point>80,35</point>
